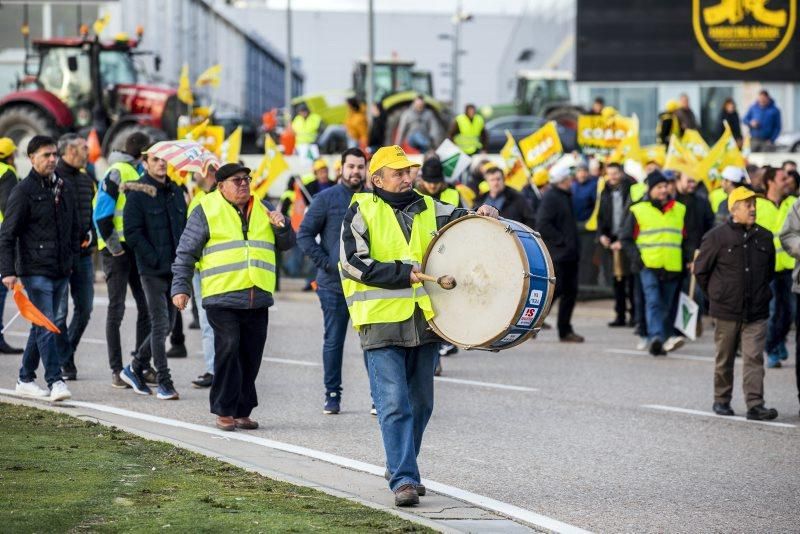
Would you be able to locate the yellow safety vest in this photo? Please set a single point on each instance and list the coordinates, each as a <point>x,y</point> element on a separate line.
<point>717,197</point>
<point>127,173</point>
<point>306,129</point>
<point>229,261</point>
<point>369,304</point>
<point>448,196</point>
<point>198,196</point>
<point>660,235</point>
<point>5,167</point>
<point>469,133</point>
<point>772,218</point>
<point>638,191</point>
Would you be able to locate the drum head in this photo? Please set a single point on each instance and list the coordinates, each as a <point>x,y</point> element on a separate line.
<point>487,263</point>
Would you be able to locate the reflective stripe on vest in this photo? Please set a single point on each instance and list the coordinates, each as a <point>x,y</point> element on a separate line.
<point>306,129</point>
<point>127,173</point>
<point>717,197</point>
<point>469,133</point>
<point>230,262</point>
<point>660,235</point>
<point>772,218</point>
<point>369,304</point>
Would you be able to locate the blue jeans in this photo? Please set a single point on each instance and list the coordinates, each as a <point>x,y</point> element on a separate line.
<point>335,317</point>
<point>401,382</point>
<point>205,327</point>
<point>658,298</point>
<point>48,295</point>
<point>81,287</point>
<point>780,311</point>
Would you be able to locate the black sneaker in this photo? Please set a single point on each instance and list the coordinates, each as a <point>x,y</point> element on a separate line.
<point>618,322</point>
<point>762,413</point>
<point>69,372</point>
<point>657,348</point>
<point>203,381</point>
<point>150,376</point>
<point>177,351</point>
<point>723,408</point>
<point>333,401</point>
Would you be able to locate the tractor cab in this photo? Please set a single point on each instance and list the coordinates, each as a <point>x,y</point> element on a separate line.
<point>539,91</point>
<point>391,77</point>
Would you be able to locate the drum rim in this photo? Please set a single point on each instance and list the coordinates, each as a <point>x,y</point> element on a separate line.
<point>526,284</point>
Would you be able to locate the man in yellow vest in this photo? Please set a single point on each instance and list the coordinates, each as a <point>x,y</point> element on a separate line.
<point>8,179</point>
<point>468,131</point>
<point>119,265</point>
<point>232,237</point>
<point>771,213</point>
<point>652,236</point>
<point>384,237</point>
<point>306,126</point>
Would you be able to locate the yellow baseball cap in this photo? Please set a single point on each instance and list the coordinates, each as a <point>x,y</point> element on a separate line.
<point>320,164</point>
<point>7,147</point>
<point>541,178</point>
<point>740,193</point>
<point>390,156</point>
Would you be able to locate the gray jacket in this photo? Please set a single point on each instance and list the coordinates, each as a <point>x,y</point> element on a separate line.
<point>358,265</point>
<point>190,250</point>
<point>790,241</point>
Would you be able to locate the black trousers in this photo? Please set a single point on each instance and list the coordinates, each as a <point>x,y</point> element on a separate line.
<point>121,271</point>
<point>567,292</point>
<point>239,338</point>
<point>797,347</point>
<point>623,297</point>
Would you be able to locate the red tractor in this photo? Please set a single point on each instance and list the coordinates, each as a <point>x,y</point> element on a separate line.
<point>84,83</point>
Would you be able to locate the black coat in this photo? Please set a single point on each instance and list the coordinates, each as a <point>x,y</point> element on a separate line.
<point>515,206</point>
<point>84,187</point>
<point>733,121</point>
<point>699,220</point>
<point>555,221</point>
<point>605,213</point>
<point>734,269</point>
<point>154,217</point>
<point>40,234</point>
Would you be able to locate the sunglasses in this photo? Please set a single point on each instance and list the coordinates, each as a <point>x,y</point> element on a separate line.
<point>240,180</point>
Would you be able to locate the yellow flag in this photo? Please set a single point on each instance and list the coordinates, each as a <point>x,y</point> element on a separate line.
<point>230,149</point>
<point>210,76</point>
<point>542,148</point>
<point>198,131</point>
<point>185,86</point>
<point>679,158</point>
<point>272,165</point>
<point>101,23</point>
<point>656,153</point>
<point>627,149</point>
<point>724,152</point>
<point>517,175</point>
<point>695,143</point>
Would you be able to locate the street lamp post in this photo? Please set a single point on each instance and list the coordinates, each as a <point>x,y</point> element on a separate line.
<point>459,18</point>
<point>287,94</point>
<point>370,58</point>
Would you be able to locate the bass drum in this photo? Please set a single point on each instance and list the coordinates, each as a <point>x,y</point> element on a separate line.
<point>504,282</point>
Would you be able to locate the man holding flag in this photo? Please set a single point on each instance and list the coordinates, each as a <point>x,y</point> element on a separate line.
<point>39,240</point>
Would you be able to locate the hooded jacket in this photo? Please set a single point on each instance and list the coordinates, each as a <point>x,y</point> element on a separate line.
<point>769,121</point>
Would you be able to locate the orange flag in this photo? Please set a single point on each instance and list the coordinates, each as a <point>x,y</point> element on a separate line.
<point>31,312</point>
<point>93,143</point>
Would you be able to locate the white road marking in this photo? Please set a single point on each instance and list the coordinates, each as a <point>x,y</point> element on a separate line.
<point>737,418</point>
<point>673,355</point>
<point>292,362</point>
<point>91,341</point>
<point>482,384</point>
<point>488,503</point>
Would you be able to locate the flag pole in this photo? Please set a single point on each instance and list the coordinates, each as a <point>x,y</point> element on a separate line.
<point>8,324</point>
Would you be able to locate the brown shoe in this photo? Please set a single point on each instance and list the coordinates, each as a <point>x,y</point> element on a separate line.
<point>245,423</point>
<point>406,495</point>
<point>116,381</point>
<point>572,337</point>
<point>225,422</point>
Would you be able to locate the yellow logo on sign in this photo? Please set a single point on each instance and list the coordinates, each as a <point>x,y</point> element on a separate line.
<point>743,34</point>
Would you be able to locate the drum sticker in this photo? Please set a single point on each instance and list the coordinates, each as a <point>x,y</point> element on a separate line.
<point>526,319</point>
<point>509,338</point>
<point>536,297</point>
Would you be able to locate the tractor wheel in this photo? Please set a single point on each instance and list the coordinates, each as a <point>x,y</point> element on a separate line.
<point>21,123</point>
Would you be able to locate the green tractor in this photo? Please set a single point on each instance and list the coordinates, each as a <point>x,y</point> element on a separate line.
<point>543,93</point>
<point>397,83</point>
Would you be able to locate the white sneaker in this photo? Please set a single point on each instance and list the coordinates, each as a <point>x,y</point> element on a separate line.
<point>642,344</point>
<point>674,343</point>
<point>59,391</point>
<point>30,389</point>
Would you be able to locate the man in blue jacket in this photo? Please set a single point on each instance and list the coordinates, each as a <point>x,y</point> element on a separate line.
<point>324,219</point>
<point>764,120</point>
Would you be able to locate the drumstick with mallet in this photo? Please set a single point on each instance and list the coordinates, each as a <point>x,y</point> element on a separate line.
<point>445,282</point>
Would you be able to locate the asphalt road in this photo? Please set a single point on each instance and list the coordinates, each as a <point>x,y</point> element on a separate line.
<point>595,435</point>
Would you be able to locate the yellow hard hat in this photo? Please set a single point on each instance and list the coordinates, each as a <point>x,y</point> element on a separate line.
<point>7,147</point>
<point>608,112</point>
<point>541,178</point>
<point>672,105</point>
<point>320,164</point>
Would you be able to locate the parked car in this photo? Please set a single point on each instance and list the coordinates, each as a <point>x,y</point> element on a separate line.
<point>520,127</point>
<point>788,142</point>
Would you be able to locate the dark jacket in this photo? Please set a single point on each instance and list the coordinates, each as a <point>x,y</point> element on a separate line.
<point>40,234</point>
<point>733,121</point>
<point>555,221</point>
<point>84,187</point>
<point>154,216</point>
<point>584,196</point>
<point>513,206</point>
<point>686,119</point>
<point>605,213</point>
<point>734,269</point>
<point>324,219</point>
<point>699,220</point>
